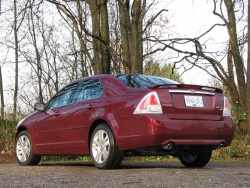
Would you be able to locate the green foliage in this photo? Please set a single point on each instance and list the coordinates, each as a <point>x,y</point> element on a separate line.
<point>7,133</point>
<point>239,149</point>
<point>239,114</point>
<point>85,158</point>
<point>152,158</point>
<point>54,158</point>
<point>167,71</point>
<point>65,158</point>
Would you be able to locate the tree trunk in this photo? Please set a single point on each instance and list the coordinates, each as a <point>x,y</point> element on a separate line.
<point>248,73</point>
<point>16,61</point>
<point>38,56</point>
<point>131,35</point>
<point>105,61</point>
<point>2,96</point>
<point>93,5</point>
<point>100,30</point>
<point>83,38</point>
<point>230,81</point>
<point>238,61</point>
<point>125,27</point>
<point>1,85</point>
<point>136,39</point>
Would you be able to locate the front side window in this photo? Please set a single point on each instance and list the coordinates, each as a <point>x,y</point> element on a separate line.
<point>62,98</point>
<point>91,89</point>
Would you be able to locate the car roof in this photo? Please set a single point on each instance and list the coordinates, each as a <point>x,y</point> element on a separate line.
<point>98,76</point>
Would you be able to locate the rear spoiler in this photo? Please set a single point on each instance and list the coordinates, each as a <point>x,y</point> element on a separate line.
<point>187,86</point>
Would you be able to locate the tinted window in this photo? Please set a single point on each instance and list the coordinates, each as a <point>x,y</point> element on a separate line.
<point>88,90</point>
<point>62,98</point>
<point>144,80</point>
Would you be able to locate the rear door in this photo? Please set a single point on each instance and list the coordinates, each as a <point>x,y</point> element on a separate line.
<point>75,118</point>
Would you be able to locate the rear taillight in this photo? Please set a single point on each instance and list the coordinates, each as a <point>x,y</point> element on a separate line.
<point>227,109</point>
<point>150,104</point>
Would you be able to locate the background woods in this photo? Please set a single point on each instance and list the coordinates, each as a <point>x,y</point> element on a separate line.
<point>47,43</point>
<point>55,42</point>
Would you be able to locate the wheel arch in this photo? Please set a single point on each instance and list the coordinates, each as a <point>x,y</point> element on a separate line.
<point>94,125</point>
<point>31,158</point>
<point>20,129</point>
<point>24,128</point>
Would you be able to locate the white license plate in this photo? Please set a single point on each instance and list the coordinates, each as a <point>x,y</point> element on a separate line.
<point>193,101</point>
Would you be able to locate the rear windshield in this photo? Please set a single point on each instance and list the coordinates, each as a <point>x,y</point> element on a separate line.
<point>144,81</point>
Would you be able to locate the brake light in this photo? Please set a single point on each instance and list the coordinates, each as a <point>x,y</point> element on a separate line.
<point>150,104</point>
<point>227,108</point>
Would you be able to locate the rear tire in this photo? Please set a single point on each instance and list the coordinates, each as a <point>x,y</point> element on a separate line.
<point>104,150</point>
<point>195,159</point>
<point>24,150</point>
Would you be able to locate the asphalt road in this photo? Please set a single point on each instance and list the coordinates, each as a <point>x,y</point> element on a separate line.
<point>131,174</point>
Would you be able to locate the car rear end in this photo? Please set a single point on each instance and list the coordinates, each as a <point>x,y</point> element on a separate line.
<point>180,117</point>
<point>196,116</point>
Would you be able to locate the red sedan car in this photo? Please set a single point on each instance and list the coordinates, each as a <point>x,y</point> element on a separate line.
<point>112,116</point>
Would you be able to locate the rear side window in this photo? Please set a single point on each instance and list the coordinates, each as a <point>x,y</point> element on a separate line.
<point>144,81</point>
<point>63,97</point>
<point>91,89</point>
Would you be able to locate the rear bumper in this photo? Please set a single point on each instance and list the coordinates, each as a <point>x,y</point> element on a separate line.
<point>157,130</point>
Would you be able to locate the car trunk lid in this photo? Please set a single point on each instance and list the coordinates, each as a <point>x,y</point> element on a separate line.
<point>191,102</point>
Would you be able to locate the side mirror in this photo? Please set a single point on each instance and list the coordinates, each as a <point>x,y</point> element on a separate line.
<point>39,106</point>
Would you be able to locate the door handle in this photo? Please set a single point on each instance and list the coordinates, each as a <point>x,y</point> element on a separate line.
<point>57,114</point>
<point>90,107</point>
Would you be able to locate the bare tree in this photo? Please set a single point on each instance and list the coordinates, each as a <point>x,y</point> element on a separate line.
<point>18,20</point>
<point>1,83</point>
<point>227,66</point>
<point>234,47</point>
<point>100,35</point>
<point>40,49</point>
<point>15,28</point>
<point>100,61</point>
<point>33,34</point>
<point>198,55</point>
<point>248,72</point>
<point>96,38</point>
<point>131,34</point>
<point>132,26</point>
<point>2,95</point>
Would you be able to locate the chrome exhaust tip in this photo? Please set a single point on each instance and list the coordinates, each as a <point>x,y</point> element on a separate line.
<point>222,145</point>
<point>169,146</point>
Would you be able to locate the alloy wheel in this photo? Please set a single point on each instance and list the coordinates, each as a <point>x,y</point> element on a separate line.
<point>100,146</point>
<point>23,148</point>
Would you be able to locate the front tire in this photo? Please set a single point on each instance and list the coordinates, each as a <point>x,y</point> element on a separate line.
<point>104,150</point>
<point>195,159</point>
<point>24,150</point>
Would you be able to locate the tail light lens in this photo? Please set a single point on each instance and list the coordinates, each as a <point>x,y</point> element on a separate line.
<point>227,108</point>
<point>150,104</point>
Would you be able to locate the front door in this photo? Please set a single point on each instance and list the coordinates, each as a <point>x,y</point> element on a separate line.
<point>48,127</point>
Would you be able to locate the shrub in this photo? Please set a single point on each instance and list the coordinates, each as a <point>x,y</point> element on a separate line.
<point>7,133</point>
<point>240,146</point>
<point>239,114</point>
